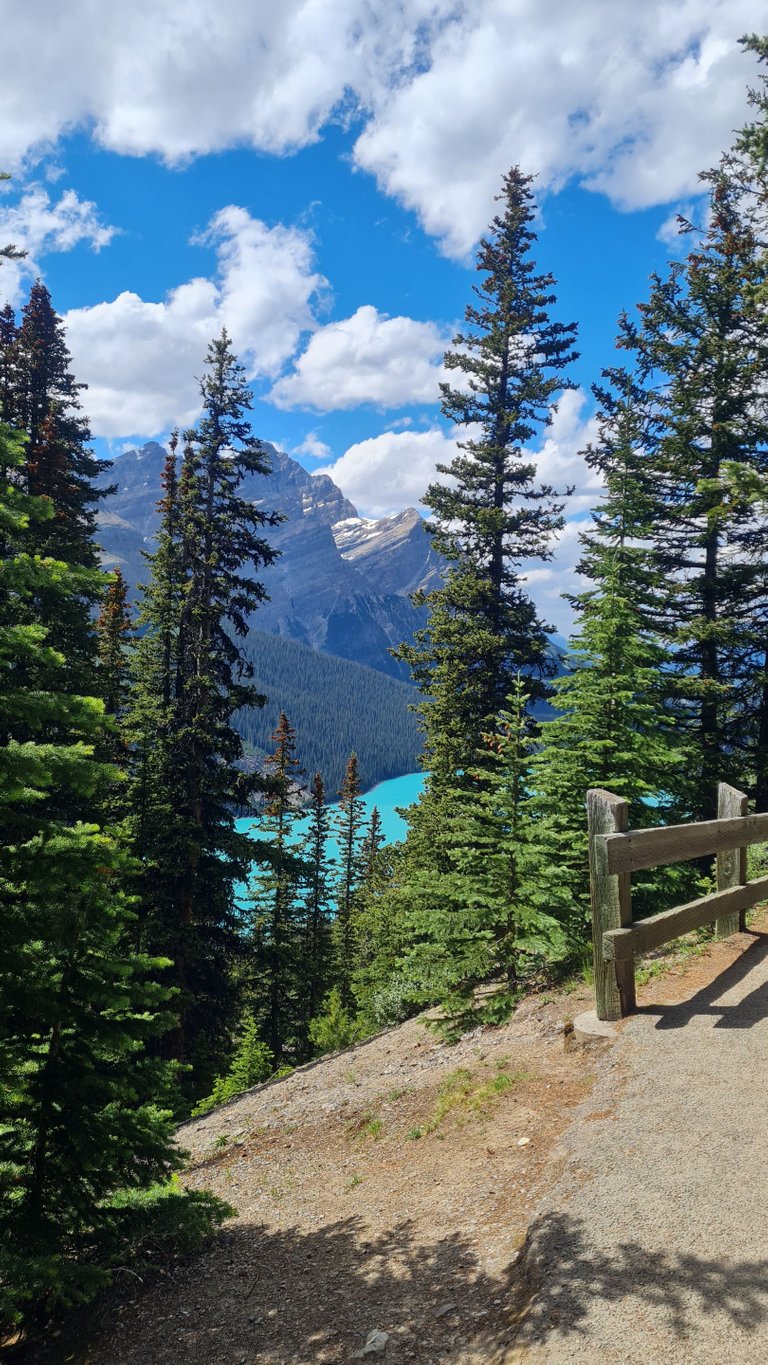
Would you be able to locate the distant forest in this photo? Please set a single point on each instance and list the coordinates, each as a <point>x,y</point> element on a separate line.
<point>335,707</point>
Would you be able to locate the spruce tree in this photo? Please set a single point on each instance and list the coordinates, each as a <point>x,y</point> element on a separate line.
<point>472,934</point>
<point>46,406</point>
<point>276,932</point>
<point>42,398</point>
<point>85,1129</point>
<point>493,518</point>
<point>316,907</point>
<point>197,612</point>
<point>492,521</point>
<point>350,834</point>
<point>701,349</point>
<point>613,727</point>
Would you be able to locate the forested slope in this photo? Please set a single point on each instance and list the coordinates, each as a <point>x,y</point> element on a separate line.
<point>335,706</point>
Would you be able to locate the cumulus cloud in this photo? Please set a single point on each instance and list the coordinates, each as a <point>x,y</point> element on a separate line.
<point>631,99</point>
<point>366,358</point>
<point>140,358</point>
<point>389,472</point>
<point>38,224</point>
<point>547,582</point>
<point>312,446</point>
<point>180,79</point>
<point>386,473</point>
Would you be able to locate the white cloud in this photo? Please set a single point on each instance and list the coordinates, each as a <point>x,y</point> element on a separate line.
<point>40,225</point>
<point>386,473</point>
<point>559,462</point>
<point>632,99</point>
<point>547,582</point>
<point>366,358</point>
<point>313,447</point>
<point>140,359</point>
<point>180,79</point>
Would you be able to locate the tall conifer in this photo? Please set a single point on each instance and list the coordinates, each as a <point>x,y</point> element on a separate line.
<point>83,1114</point>
<point>197,610</point>
<point>492,517</point>
<point>351,833</point>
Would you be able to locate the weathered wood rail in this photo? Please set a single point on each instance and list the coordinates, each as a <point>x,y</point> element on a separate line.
<point>615,852</point>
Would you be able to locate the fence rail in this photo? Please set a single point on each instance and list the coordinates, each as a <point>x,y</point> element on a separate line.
<point>615,852</point>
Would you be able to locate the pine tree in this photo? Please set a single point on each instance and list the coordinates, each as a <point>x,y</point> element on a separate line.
<point>43,399</point>
<point>85,1130</point>
<point>47,408</point>
<point>490,522</point>
<point>350,829</point>
<point>472,934</point>
<point>492,518</point>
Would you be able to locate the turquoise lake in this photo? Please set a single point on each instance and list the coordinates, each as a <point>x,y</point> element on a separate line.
<point>386,797</point>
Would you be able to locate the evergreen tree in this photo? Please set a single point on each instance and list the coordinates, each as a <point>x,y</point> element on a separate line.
<point>84,1125</point>
<point>701,349</point>
<point>493,517</point>
<point>46,406</point>
<point>41,397</point>
<point>114,628</point>
<point>490,521</point>
<point>613,728</point>
<point>350,828</point>
<point>316,909</point>
<point>276,932</point>
<point>196,611</point>
<point>472,934</point>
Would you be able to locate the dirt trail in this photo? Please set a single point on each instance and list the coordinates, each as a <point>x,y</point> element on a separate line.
<point>510,1199</point>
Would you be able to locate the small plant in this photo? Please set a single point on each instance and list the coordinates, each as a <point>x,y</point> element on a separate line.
<point>334,1028</point>
<point>251,1064</point>
<point>221,1140</point>
<point>414,1134</point>
<point>459,1094</point>
<point>396,1094</point>
<point>355,1181</point>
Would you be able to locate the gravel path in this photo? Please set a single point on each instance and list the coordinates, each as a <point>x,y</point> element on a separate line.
<point>653,1248</point>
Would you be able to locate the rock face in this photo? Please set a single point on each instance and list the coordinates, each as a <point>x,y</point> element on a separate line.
<point>342,582</point>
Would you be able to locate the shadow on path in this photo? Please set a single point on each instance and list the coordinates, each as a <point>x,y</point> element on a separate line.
<point>261,1295</point>
<point>564,1276</point>
<point>751,1009</point>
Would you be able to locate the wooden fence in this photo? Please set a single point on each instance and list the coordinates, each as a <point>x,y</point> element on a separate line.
<point>615,852</point>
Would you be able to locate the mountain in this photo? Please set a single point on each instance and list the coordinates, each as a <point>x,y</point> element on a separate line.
<point>342,582</point>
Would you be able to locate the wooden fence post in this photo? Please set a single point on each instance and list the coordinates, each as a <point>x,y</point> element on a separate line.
<point>611,905</point>
<point>732,863</point>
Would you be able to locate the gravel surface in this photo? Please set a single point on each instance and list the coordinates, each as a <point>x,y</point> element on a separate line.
<point>653,1247</point>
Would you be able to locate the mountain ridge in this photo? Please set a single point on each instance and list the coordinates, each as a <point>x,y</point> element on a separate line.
<point>342,583</point>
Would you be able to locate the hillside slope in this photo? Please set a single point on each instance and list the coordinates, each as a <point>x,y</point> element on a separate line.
<point>559,1205</point>
<point>335,706</point>
<point>349,1222</point>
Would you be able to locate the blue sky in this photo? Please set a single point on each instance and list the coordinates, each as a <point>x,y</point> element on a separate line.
<point>315,177</point>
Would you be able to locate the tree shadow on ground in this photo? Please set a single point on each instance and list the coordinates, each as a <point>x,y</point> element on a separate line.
<point>751,1009</point>
<point>266,1295</point>
<point>272,1297</point>
<point>564,1275</point>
